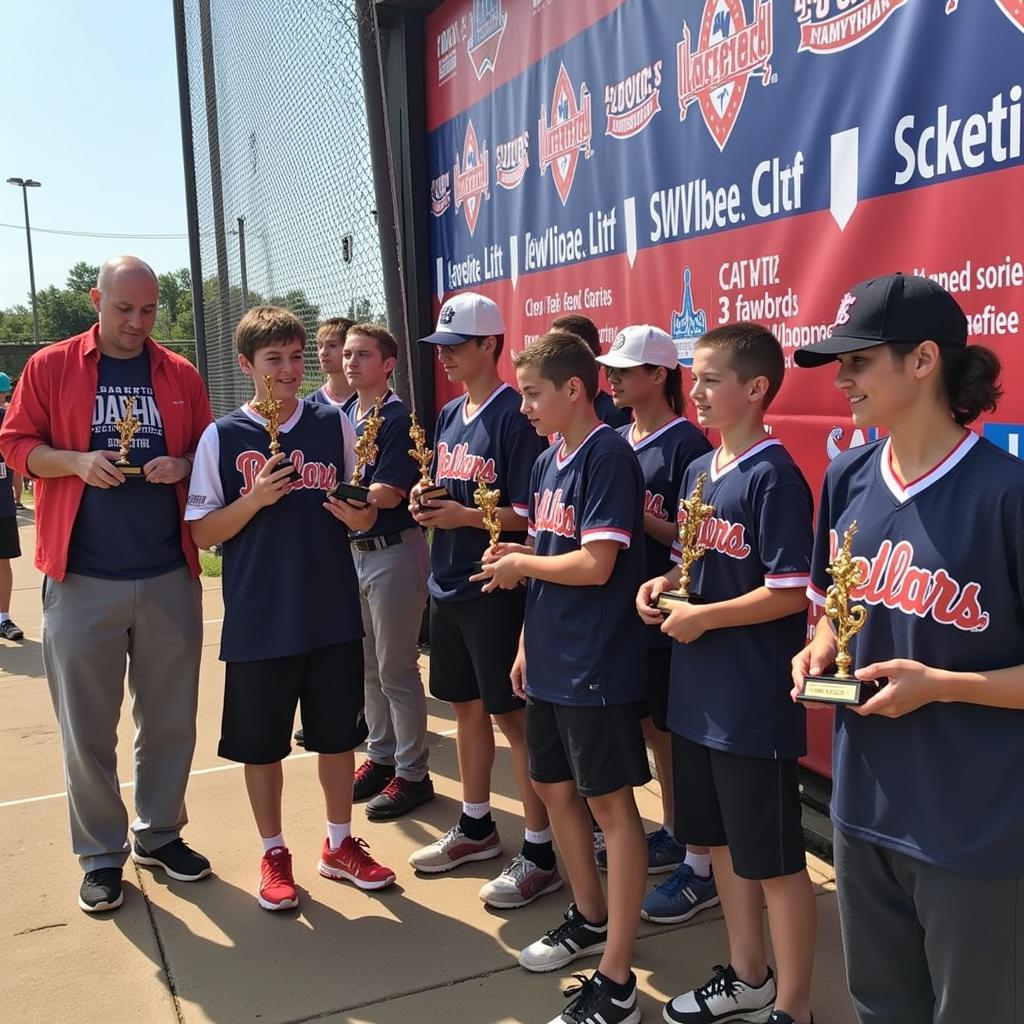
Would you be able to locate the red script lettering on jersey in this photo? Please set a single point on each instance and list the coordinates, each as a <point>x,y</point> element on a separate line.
<point>314,475</point>
<point>553,515</point>
<point>459,464</point>
<point>654,505</point>
<point>722,536</point>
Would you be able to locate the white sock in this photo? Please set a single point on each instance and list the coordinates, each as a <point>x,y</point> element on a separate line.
<point>700,862</point>
<point>337,834</point>
<point>4,616</point>
<point>270,842</point>
<point>538,837</point>
<point>668,827</point>
<point>476,810</point>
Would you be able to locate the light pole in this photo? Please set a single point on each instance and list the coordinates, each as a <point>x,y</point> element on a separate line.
<point>26,184</point>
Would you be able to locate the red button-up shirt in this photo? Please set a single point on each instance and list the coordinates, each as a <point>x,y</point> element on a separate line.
<point>53,405</point>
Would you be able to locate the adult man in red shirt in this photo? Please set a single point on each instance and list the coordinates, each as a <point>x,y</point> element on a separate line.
<point>121,572</point>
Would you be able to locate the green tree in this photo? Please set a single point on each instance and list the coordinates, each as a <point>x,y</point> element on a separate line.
<point>63,313</point>
<point>82,277</point>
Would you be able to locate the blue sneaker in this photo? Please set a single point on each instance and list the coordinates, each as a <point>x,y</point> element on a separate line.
<point>683,894</point>
<point>663,853</point>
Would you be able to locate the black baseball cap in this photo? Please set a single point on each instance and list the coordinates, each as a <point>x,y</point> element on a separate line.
<point>897,307</point>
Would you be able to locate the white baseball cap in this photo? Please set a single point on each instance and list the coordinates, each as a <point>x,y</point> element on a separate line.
<point>641,345</point>
<point>464,316</point>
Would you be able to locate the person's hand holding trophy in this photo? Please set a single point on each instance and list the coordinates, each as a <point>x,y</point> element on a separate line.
<point>127,427</point>
<point>366,455</point>
<point>269,408</point>
<point>693,514</point>
<point>426,490</point>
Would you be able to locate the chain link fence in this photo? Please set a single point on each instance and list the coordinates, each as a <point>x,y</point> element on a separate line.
<point>284,185</point>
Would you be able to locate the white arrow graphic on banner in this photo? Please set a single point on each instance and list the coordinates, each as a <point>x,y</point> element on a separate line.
<point>629,210</point>
<point>845,157</point>
<point>440,279</point>
<point>513,259</point>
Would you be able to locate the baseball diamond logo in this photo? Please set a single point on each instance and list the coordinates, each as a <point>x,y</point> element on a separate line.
<point>1013,9</point>
<point>489,23</point>
<point>568,133</point>
<point>729,52</point>
<point>821,31</point>
<point>472,181</point>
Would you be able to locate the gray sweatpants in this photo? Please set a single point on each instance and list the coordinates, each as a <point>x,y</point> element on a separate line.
<point>91,629</point>
<point>393,594</point>
<point>927,946</point>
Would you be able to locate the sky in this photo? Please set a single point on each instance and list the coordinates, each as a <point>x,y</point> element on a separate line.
<point>90,100</point>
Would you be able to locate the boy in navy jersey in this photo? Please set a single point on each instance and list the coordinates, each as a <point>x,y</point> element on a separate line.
<point>928,797</point>
<point>330,345</point>
<point>473,636</point>
<point>643,370</point>
<point>576,666</point>
<point>391,563</point>
<point>607,410</point>
<point>736,736</point>
<point>285,643</point>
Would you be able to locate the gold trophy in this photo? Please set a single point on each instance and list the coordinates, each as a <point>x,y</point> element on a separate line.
<point>429,491</point>
<point>694,514</point>
<point>127,427</point>
<point>366,454</point>
<point>270,409</point>
<point>486,499</point>
<point>842,688</point>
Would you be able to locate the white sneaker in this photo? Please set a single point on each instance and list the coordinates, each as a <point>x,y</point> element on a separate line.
<point>724,998</point>
<point>520,883</point>
<point>573,938</point>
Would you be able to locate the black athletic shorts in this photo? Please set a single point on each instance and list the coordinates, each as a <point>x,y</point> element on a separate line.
<point>750,804</point>
<point>601,749</point>
<point>10,543</point>
<point>472,647</point>
<point>659,661</point>
<point>260,698</point>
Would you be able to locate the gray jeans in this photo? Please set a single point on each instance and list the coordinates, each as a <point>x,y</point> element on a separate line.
<point>393,594</point>
<point>92,630</point>
<point>927,946</point>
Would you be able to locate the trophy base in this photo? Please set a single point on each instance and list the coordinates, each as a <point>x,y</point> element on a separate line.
<point>833,690</point>
<point>351,492</point>
<point>432,494</point>
<point>131,472</point>
<point>668,599</point>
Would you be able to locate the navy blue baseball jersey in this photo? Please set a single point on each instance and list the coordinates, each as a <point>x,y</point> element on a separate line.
<point>498,442</point>
<point>7,508</point>
<point>664,456</point>
<point>608,412</point>
<point>394,466</point>
<point>272,607</point>
<point>132,531</point>
<point>943,559</point>
<point>321,397</point>
<point>584,644</point>
<point>730,688</point>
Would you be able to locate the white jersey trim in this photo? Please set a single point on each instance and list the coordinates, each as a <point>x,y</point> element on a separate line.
<point>467,418</point>
<point>904,492</point>
<point>623,537</point>
<point>637,445</point>
<point>561,462</point>
<point>815,596</point>
<point>786,581</point>
<point>717,472</point>
<point>205,493</point>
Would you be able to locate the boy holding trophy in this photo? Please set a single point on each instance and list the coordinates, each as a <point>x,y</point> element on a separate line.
<point>736,735</point>
<point>285,644</point>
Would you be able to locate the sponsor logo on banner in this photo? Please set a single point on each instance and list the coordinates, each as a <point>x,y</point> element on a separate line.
<point>688,324</point>
<point>440,194</point>
<point>569,132</point>
<point>828,26</point>
<point>448,52</point>
<point>729,52</point>
<point>1013,9</point>
<point>489,22</point>
<point>631,104</point>
<point>511,160</point>
<point>857,438</point>
<point>472,179</point>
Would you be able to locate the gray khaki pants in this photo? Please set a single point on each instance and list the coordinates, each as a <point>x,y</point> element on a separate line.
<point>928,946</point>
<point>92,629</point>
<point>393,594</point>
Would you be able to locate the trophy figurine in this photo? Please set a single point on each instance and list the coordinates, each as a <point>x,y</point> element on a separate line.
<point>849,620</point>
<point>429,491</point>
<point>486,499</point>
<point>127,427</point>
<point>270,409</point>
<point>694,514</point>
<point>366,454</point>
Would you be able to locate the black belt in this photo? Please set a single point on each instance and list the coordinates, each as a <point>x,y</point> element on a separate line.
<point>386,540</point>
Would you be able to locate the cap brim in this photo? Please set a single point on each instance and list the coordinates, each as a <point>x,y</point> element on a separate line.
<point>619,362</point>
<point>822,352</point>
<point>446,338</point>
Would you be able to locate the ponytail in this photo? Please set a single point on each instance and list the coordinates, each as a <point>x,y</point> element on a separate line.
<point>674,389</point>
<point>971,380</point>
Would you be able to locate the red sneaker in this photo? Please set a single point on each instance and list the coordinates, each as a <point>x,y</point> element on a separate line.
<point>351,862</point>
<point>277,887</point>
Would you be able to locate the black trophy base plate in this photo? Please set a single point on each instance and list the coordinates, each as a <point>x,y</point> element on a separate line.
<point>833,690</point>
<point>668,599</point>
<point>351,492</point>
<point>432,494</point>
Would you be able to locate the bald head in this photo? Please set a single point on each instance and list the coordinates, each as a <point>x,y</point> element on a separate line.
<point>125,297</point>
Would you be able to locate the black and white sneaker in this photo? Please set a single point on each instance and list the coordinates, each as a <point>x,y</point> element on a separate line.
<point>781,1017</point>
<point>573,938</point>
<point>592,1003</point>
<point>176,858</point>
<point>10,630</point>
<point>724,998</point>
<point>101,890</point>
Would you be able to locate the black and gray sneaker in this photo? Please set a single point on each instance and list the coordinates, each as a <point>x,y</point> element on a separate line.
<point>781,1017</point>
<point>176,858</point>
<point>399,797</point>
<point>101,890</point>
<point>724,998</point>
<point>592,1003</point>
<point>300,738</point>
<point>573,938</point>
<point>10,630</point>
